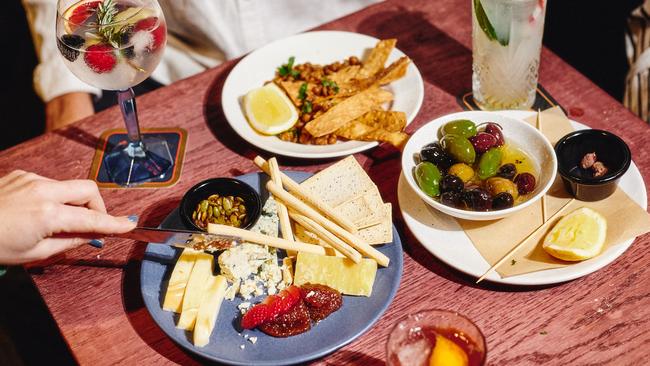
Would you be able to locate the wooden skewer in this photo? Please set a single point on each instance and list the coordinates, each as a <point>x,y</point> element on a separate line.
<point>257,238</point>
<point>521,243</point>
<point>299,192</point>
<point>353,240</point>
<point>283,213</point>
<point>539,128</point>
<point>327,236</point>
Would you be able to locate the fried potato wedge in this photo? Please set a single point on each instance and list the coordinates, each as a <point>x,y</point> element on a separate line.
<point>348,110</point>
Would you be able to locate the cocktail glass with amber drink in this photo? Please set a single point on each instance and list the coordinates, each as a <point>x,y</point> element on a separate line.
<point>435,338</point>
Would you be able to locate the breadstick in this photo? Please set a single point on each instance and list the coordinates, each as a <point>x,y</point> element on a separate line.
<point>283,214</point>
<point>316,203</point>
<point>350,238</point>
<point>257,238</point>
<point>327,236</point>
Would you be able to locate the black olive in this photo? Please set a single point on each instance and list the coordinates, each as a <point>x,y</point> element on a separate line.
<point>502,200</point>
<point>434,153</point>
<point>453,199</point>
<point>477,199</point>
<point>507,171</point>
<point>451,183</point>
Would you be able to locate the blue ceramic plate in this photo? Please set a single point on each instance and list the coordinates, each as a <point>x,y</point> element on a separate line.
<point>354,318</point>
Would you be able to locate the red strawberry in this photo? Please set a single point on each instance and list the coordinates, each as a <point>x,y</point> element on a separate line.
<point>159,34</point>
<point>257,315</point>
<point>100,58</point>
<point>284,301</point>
<point>81,13</point>
<point>271,307</point>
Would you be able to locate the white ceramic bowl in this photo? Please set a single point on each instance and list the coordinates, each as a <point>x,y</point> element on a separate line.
<point>521,133</point>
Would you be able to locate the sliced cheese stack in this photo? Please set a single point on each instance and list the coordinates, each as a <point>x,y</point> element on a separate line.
<point>178,281</point>
<point>194,291</point>
<point>214,293</point>
<point>339,273</point>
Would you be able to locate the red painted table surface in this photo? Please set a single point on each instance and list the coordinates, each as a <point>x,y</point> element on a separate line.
<point>94,296</point>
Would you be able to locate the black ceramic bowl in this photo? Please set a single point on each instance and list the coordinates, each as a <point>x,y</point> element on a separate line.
<point>609,148</point>
<point>223,187</point>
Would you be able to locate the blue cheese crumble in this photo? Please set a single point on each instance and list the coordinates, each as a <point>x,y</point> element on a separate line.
<point>253,269</point>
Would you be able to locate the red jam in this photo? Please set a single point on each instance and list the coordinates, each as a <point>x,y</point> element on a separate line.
<point>317,303</point>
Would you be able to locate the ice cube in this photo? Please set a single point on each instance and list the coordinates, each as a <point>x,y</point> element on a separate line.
<point>414,353</point>
<point>141,41</point>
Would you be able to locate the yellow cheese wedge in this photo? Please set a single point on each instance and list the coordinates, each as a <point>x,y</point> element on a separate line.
<point>214,293</point>
<point>338,273</point>
<point>178,280</point>
<point>194,291</point>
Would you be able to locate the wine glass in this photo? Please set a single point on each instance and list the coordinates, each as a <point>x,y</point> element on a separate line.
<point>115,45</point>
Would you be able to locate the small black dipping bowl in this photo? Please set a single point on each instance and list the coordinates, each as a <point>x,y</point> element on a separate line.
<point>609,148</point>
<point>223,187</point>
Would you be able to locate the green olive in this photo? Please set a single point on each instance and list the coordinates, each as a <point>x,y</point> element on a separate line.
<point>497,185</point>
<point>459,148</point>
<point>488,165</point>
<point>428,177</point>
<point>461,127</point>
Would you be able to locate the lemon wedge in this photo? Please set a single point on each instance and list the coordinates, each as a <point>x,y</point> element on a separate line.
<point>269,110</point>
<point>447,353</point>
<point>577,236</point>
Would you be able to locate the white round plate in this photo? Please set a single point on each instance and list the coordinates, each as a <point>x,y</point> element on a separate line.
<point>441,235</point>
<point>320,47</point>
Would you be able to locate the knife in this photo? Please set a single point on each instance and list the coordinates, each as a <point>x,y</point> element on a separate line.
<point>182,238</point>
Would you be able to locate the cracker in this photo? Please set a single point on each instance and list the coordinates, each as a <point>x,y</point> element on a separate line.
<point>340,182</point>
<point>347,110</point>
<point>381,233</point>
<point>377,58</point>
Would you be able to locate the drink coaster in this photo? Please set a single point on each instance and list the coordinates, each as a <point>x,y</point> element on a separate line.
<point>175,137</point>
<point>543,101</point>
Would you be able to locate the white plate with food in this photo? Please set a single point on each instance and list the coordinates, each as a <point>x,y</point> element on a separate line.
<point>441,235</point>
<point>318,48</point>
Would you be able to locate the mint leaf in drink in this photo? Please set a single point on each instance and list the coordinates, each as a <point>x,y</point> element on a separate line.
<point>486,25</point>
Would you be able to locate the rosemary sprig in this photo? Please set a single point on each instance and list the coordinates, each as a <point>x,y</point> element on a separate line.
<point>112,34</point>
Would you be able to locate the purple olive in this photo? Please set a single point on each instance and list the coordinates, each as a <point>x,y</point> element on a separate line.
<point>483,141</point>
<point>495,130</point>
<point>525,183</point>
<point>507,171</point>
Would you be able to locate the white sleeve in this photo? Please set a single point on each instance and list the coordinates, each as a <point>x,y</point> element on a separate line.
<point>51,77</point>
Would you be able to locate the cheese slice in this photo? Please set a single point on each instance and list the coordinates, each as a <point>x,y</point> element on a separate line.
<point>194,291</point>
<point>214,293</point>
<point>341,274</point>
<point>178,280</point>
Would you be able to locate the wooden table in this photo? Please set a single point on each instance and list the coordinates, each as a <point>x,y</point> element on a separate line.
<point>94,296</point>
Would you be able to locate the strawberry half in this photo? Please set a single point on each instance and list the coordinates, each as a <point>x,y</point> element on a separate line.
<point>100,58</point>
<point>82,12</point>
<point>159,34</point>
<point>271,307</point>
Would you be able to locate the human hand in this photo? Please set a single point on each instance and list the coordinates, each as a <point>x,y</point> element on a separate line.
<point>40,217</point>
<point>66,109</point>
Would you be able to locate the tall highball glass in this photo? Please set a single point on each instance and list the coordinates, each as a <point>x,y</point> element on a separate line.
<point>506,43</point>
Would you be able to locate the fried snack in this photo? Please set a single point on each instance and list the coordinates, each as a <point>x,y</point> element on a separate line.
<point>377,125</point>
<point>377,58</point>
<point>347,110</point>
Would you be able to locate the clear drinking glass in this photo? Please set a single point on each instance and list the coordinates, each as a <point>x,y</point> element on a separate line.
<point>115,45</point>
<point>413,339</point>
<point>506,42</point>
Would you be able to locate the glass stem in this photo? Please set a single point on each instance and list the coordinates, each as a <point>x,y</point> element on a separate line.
<point>126,99</point>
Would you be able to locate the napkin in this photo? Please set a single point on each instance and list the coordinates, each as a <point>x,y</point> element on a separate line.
<point>493,239</point>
